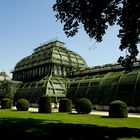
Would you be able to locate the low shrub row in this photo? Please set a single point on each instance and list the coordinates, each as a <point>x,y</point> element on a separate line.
<point>117,108</point>
<point>82,106</point>
<point>21,104</point>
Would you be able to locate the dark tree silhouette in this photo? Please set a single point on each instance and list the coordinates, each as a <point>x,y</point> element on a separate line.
<point>96,15</point>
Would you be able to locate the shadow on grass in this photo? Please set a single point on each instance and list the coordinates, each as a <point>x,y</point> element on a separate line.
<point>36,129</point>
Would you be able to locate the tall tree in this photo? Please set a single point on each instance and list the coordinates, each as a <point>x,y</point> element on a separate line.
<point>97,15</point>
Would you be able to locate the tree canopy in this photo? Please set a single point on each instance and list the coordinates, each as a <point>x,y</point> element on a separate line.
<point>97,15</point>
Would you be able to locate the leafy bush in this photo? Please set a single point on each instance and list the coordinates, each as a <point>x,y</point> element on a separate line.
<point>65,105</point>
<point>118,109</point>
<point>45,104</point>
<point>6,103</point>
<point>83,106</point>
<point>22,104</point>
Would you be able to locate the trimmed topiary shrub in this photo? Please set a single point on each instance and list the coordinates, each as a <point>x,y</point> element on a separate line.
<point>45,104</point>
<point>118,109</point>
<point>65,105</point>
<point>22,104</point>
<point>83,106</point>
<point>6,103</point>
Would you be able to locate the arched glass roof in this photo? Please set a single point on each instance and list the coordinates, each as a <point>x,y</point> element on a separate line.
<point>103,88</point>
<point>53,86</point>
<point>52,52</point>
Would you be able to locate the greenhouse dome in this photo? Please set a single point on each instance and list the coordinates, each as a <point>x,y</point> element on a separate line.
<point>51,57</point>
<point>44,71</point>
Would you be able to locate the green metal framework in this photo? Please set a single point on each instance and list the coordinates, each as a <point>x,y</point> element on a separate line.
<point>53,86</point>
<point>104,87</point>
<point>44,72</point>
<point>51,53</point>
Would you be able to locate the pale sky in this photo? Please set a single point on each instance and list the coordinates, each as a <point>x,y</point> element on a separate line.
<point>25,24</point>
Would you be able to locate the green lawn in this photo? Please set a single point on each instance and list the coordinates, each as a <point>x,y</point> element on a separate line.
<point>65,126</point>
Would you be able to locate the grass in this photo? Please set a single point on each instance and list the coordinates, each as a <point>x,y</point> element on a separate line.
<point>65,126</point>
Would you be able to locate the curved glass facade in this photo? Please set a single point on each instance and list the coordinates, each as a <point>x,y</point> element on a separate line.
<point>44,71</point>
<point>104,87</point>
<point>53,52</point>
<point>51,58</point>
<point>49,85</point>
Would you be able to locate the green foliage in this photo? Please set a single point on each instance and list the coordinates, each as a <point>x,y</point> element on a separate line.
<point>83,106</point>
<point>118,109</point>
<point>6,103</point>
<point>9,95</point>
<point>22,104</point>
<point>65,105</point>
<point>45,104</point>
<point>96,16</point>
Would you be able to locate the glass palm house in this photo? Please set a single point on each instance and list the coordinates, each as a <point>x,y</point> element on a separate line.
<point>54,70</point>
